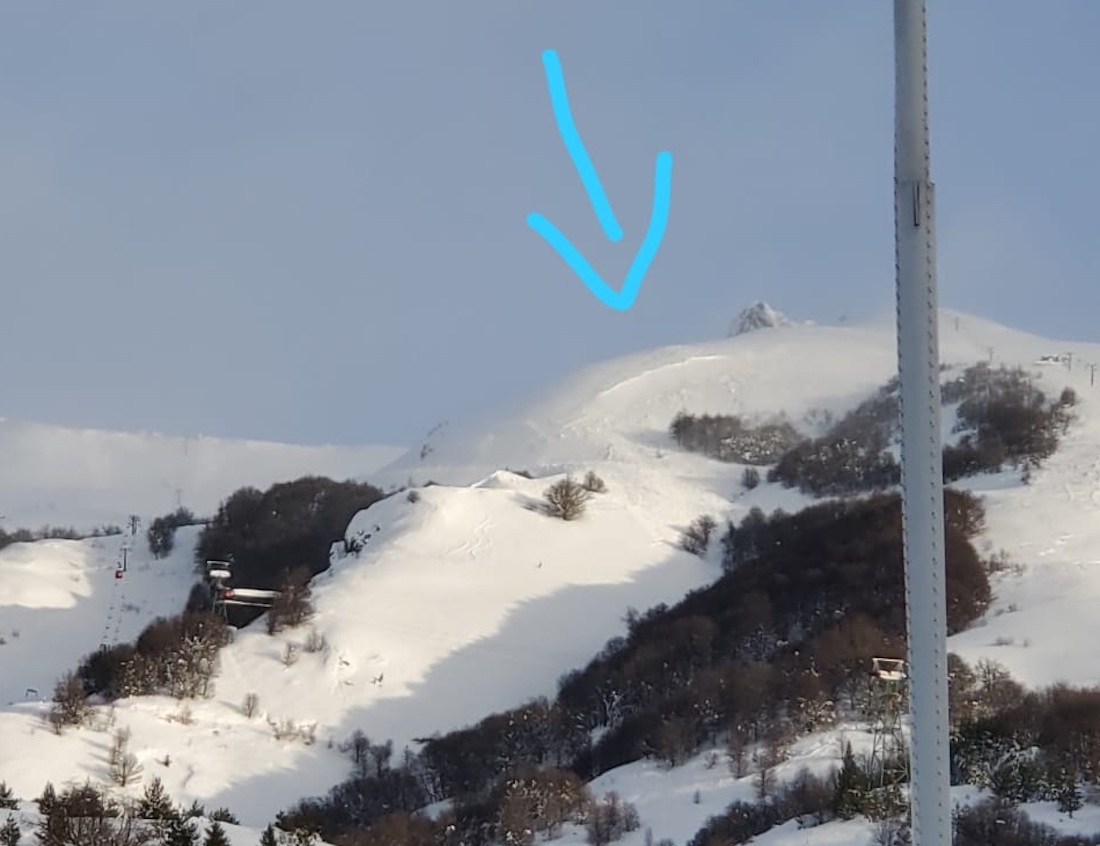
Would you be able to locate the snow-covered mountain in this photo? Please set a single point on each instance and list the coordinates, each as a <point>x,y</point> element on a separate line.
<point>465,601</point>
<point>83,478</point>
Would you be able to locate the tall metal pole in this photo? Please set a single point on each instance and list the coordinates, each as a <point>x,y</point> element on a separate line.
<point>922,468</point>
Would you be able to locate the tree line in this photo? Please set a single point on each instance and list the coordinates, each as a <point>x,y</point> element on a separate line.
<point>1002,419</point>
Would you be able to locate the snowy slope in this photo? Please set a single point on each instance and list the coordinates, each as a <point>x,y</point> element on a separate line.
<point>619,411</point>
<point>466,601</point>
<point>60,599</point>
<point>72,477</point>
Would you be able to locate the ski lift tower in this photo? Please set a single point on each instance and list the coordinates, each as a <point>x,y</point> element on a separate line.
<point>888,678</point>
<point>921,447</point>
<point>217,574</point>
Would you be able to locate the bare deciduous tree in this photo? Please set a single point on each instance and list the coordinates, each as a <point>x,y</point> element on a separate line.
<point>696,537</point>
<point>566,499</point>
<point>70,707</point>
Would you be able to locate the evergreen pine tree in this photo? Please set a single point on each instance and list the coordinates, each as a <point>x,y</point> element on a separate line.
<point>155,804</point>
<point>180,831</point>
<point>48,800</point>
<point>851,788</point>
<point>268,837</point>
<point>215,835</point>
<point>1069,792</point>
<point>9,832</point>
<point>7,797</point>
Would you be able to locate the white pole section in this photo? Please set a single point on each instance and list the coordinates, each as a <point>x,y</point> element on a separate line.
<point>922,468</point>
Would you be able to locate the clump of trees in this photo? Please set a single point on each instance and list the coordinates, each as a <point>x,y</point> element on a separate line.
<point>54,533</point>
<point>566,499</point>
<point>161,533</point>
<point>727,437</point>
<point>173,656</point>
<point>853,456</point>
<point>294,604</point>
<point>811,800</point>
<point>291,525</point>
<point>996,822</point>
<point>70,703</point>
<point>1003,418</point>
<point>1024,746</point>
<point>530,804</point>
<point>85,814</point>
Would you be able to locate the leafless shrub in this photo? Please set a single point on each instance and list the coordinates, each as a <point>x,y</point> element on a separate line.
<point>315,642</point>
<point>183,716</point>
<point>593,483</point>
<point>70,706</point>
<point>294,605</point>
<point>566,499</point>
<point>288,729</point>
<point>610,819</point>
<point>250,704</point>
<point>892,832</point>
<point>696,537</point>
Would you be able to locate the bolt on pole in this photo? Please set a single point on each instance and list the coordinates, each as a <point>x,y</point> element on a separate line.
<point>922,468</point>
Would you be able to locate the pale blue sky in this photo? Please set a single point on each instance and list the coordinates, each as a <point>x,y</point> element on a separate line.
<point>306,221</point>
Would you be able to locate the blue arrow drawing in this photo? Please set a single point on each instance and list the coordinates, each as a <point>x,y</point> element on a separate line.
<point>662,190</point>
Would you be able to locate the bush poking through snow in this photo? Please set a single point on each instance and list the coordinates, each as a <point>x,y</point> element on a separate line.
<point>225,815</point>
<point>750,479</point>
<point>727,437</point>
<point>696,537</point>
<point>70,706</point>
<point>162,531</point>
<point>315,642</point>
<point>7,797</point>
<point>294,604</point>
<point>250,704</point>
<point>610,819</point>
<point>892,832</point>
<point>593,483</point>
<point>290,654</point>
<point>287,729</point>
<point>566,499</point>
<point>183,716</point>
<point>540,802</point>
